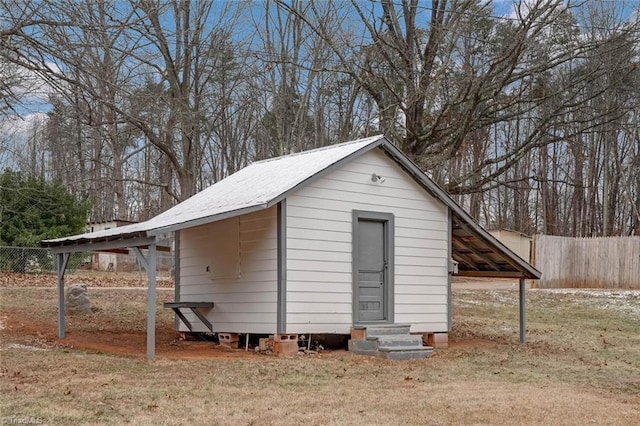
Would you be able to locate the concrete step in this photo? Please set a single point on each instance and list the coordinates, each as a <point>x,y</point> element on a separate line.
<point>374,342</point>
<point>391,341</point>
<point>408,352</point>
<point>387,329</point>
<point>397,340</point>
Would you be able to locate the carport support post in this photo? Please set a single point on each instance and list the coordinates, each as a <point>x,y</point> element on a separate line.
<point>151,303</point>
<point>523,314</point>
<point>150,265</point>
<point>61,262</point>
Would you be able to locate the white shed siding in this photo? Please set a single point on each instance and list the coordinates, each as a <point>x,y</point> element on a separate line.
<point>319,283</point>
<point>246,302</point>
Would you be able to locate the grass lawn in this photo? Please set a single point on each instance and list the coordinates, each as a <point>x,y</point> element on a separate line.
<point>581,365</point>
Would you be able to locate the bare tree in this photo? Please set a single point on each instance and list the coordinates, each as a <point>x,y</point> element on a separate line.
<point>442,72</point>
<point>98,56</point>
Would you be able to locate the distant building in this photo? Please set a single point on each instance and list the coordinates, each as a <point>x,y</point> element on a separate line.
<point>110,261</point>
<point>518,242</point>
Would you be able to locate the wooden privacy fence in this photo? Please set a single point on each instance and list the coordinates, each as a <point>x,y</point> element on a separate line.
<point>606,262</point>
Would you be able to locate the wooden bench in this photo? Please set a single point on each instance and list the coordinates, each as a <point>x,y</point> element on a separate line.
<point>195,308</point>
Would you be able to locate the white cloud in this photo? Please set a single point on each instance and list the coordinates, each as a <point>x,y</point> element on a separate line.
<point>521,8</point>
<point>30,92</point>
<point>524,7</point>
<point>21,126</point>
<point>15,132</point>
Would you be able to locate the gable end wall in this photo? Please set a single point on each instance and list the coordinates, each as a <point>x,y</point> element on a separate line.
<point>319,249</point>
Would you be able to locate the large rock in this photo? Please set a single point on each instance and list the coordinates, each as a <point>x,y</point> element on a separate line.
<point>77,300</point>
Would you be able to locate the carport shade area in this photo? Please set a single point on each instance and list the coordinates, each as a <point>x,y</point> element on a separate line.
<point>480,255</point>
<point>136,242</point>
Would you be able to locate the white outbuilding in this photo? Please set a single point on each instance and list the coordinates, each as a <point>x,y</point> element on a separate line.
<point>323,241</point>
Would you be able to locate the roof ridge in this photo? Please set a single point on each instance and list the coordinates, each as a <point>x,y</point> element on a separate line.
<point>322,148</point>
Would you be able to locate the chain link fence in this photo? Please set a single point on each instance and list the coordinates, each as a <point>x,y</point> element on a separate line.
<point>41,260</point>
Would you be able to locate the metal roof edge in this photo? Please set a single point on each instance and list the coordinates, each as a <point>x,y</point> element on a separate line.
<point>101,244</point>
<point>207,219</point>
<point>443,196</point>
<point>96,222</point>
<point>76,238</point>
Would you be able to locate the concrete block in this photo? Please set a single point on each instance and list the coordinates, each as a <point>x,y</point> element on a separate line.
<point>265,343</point>
<point>286,337</point>
<point>358,333</point>
<point>286,348</point>
<point>436,340</point>
<point>229,340</point>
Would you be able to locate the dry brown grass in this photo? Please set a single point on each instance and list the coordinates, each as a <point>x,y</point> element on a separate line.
<point>582,365</point>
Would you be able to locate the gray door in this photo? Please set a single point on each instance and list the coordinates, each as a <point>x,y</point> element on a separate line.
<point>372,262</point>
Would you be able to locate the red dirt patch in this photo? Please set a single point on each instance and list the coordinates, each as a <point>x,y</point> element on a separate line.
<point>18,328</point>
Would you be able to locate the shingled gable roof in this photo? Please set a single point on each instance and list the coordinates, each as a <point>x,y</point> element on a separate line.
<point>264,183</point>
